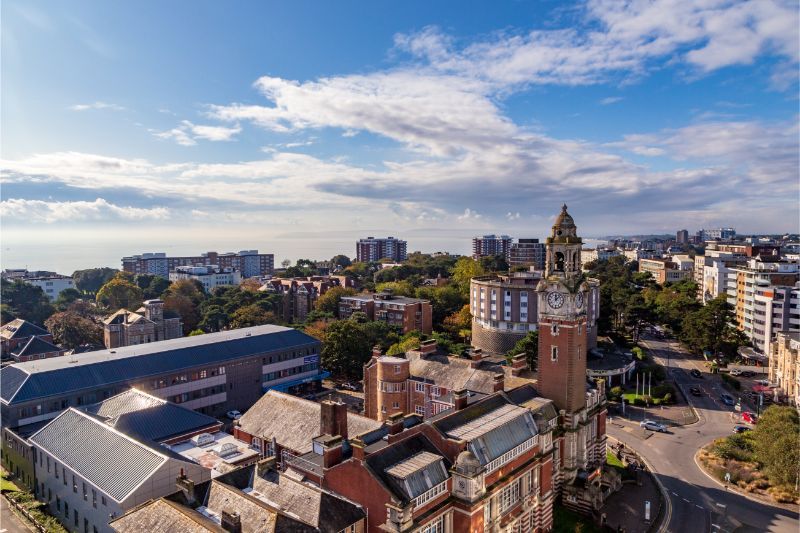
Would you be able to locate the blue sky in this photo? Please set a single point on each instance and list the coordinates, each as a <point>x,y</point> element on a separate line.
<point>296,127</point>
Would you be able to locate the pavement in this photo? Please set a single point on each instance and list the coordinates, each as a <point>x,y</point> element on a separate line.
<point>697,503</point>
<point>626,508</point>
<point>10,522</point>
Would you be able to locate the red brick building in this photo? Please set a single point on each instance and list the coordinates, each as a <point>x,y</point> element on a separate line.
<point>408,314</point>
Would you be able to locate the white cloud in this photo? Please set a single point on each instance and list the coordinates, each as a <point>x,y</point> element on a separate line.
<point>512,216</point>
<point>96,105</point>
<point>610,100</point>
<point>49,212</point>
<point>469,214</point>
<point>187,133</point>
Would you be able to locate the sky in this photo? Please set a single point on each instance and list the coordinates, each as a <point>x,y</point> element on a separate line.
<point>297,127</point>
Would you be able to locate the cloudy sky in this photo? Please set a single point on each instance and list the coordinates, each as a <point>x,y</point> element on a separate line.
<point>295,127</point>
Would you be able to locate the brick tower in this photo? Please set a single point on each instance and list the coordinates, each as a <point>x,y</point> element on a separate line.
<point>563,319</point>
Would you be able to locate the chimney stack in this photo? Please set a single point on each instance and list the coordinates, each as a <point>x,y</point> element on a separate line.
<point>357,445</point>
<point>231,522</point>
<point>519,364</point>
<point>333,418</point>
<point>476,354</point>
<point>460,398</point>
<point>376,351</point>
<point>395,423</point>
<point>186,486</point>
<point>427,347</point>
<point>499,382</point>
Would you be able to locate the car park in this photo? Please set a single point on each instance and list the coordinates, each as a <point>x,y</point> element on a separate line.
<point>727,399</point>
<point>696,391</point>
<point>653,426</point>
<point>739,428</point>
<point>696,373</point>
<point>749,417</point>
<point>234,414</point>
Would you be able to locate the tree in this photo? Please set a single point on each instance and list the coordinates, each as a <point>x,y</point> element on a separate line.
<point>152,286</point>
<point>250,284</point>
<point>775,441</point>
<point>464,270</point>
<point>329,302</point>
<point>528,345</point>
<point>399,288</point>
<point>710,328</point>
<point>341,261</point>
<point>459,322</point>
<point>214,319</point>
<point>183,298</point>
<point>346,349</point>
<point>252,315</point>
<point>91,279</point>
<point>445,301</point>
<point>119,293</point>
<point>406,343</point>
<point>26,301</point>
<point>494,263</point>
<point>66,298</point>
<point>285,263</point>
<point>70,330</point>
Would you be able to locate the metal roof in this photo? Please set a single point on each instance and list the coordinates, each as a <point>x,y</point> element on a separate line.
<point>111,461</point>
<point>418,474</point>
<point>59,375</point>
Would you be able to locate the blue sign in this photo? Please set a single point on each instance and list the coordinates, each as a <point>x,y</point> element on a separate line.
<point>310,359</point>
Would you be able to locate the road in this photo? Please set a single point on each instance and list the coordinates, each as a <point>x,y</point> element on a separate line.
<point>699,504</point>
<point>9,523</point>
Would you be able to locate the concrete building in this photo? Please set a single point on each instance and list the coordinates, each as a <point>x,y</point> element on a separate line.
<point>528,253</point>
<point>765,296</point>
<point>372,249</point>
<point>52,284</point>
<point>682,236</point>
<point>149,323</point>
<point>301,294</point>
<point>667,270</point>
<point>598,254</point>
<point>211,373</point>
<point>249,263</point>
<point>209,276</point>
<point>489,245</point>
<point>717,234</point>
<point>408,314</point>
<point>637,254</point>
<point>784,365</point>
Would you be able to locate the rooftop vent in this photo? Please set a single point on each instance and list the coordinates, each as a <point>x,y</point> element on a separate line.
<point>228,449</point>
<point>203,439</point>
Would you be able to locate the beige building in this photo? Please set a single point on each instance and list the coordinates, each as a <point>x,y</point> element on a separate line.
<point>664,270</point>
<point>147,324</point>
<point>784,365</point>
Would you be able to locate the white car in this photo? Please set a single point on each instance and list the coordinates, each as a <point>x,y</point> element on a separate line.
<point>736,372</point>
<point>234,415</point>
<point>653,426</point>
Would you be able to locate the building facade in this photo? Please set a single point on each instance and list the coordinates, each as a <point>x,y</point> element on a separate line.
<point>17,333</point>
<point>665,270</point>
<point>528,253</point>
<point>784,365</point>
<point>249,263</point>
<point>682,236</point>
<point>374,249</point>
<point>597,254</point>
<point>300,294</point>
<point>209,276</point>
<point>147,324</point>
<point>52,285</point>
<point>490,245</point>
<point>408,314</point>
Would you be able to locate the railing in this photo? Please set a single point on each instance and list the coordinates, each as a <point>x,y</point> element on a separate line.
<point>290,459</point>
<point>512,454</point>
<point>430,494</point>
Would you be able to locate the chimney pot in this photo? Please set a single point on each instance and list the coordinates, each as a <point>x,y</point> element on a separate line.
<point>460,399</point>
<point>499,382</point>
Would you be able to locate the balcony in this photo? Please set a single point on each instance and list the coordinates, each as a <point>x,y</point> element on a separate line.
<point>512,454</point>
<point>429,495</point>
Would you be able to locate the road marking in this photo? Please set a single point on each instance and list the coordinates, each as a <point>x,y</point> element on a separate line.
<point>673,493</point>
<point>698,506</point>
<point>687,501</point>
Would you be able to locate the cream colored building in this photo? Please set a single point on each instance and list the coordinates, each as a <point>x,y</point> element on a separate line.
<point>784,365</point>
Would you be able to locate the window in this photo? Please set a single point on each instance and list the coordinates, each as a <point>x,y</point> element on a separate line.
<point>56,468</point>
<point>395,405</point>
<point>436,526</point>
<point>85,493</point>
<point>75,516</point>
<point>74,484</point>
<point>420,410</point>
<point>554,353</point>
<point>58,504</point>
<point>508,496</point>
<point>66,509</point>
<point>103,500</point>
<point>48,466</point>
<point>419,387</point>
<point>94,498</point>
<point>435,391</point>
<point>396,369</point>
<point>554,329</point>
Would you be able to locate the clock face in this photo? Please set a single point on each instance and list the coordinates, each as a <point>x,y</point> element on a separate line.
<point>579,300</point>
<point>555,300</point>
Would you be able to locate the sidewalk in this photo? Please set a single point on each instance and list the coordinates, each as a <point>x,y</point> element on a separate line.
<point>626,508</point>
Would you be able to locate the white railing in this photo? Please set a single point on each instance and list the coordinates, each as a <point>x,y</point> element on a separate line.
<point>430,494</point>
<point>512,454</point>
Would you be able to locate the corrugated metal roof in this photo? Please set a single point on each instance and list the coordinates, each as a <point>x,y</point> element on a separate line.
<point>59,375</point>
<point>111,461</point>
<point>418,474</point>
<point>496,432</point>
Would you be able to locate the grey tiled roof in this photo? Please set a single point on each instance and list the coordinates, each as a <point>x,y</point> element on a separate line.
<point>139,414</point>
<point>19,328</point>
<point>294,421</point>
<point>164,516</point>
<point>418,474</point>
<point>111,461</point>
<point>454,373</point>
<point>35,346</point>
<point>60,375</point>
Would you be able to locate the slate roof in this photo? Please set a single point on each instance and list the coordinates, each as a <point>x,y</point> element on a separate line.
<point>164,516</point>
<point>294,421</point>
<point>454,373</point>
<point>311,505</point>
<point>123,316</point>
<point>36,346</point>
<point>255,515</point>
<point>60,375</point>
<point>110,460</point>
<point>380,462</point>
<point>139,414</point>
<point>19,328</point>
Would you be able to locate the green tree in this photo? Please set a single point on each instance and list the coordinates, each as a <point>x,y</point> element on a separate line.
<point>329,302</point>
<point>409,341</point>
<point>529,345</point>
<point>775,441</point>
<point>399,288</point>
<point>26,301</point>
<point>66,298</point>
<point>119,293</point>
<point>91,279</point>
<point>152,286</point>
<point>711,328</point>
<point>494,263</point>
<point>341,261</point>
<point>183,298</point>
<point>252,315</point>
<point>346,349</point>
<point>464,270</point>
<point>459,322</point>
<point>445,301</point>
<point>214,319</point>
<point>70,329</point>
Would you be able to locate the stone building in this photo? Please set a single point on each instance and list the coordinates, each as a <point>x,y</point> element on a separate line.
<point>149,323</point>
<point>784,365</point>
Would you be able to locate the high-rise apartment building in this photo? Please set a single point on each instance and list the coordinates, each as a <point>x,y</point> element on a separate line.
<point>249,262</point>
<point>488,245</point>
<point>374,249</point>
<point>716,234</point>
<point>682,237</point>
<point>527,252</point>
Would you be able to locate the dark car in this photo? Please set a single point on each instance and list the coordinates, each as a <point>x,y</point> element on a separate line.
<point>696,373</point>
<point>740,428</point>
<point>748,374</point>
<point>695,391</point>
<point>727,399</point>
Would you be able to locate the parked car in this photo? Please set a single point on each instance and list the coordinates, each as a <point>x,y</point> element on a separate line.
<point>351,386</point>
<point>749,417</point>
<point>727,399</point>
<point>234,414</point>
<point>748,373</point>
<point>696,373</point>
<point>696,391</point>
<point>736,372</point>
<point>653,426</point>
<point>764,382</point>
<point>738,428</point>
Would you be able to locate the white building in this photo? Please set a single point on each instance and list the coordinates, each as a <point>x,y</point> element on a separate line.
<point>598,254</point>
<point>51,285</point>
<point>641,253</point>
<point>210,276</point>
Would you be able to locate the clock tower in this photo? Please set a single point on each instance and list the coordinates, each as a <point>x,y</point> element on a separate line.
<point>563,298</point>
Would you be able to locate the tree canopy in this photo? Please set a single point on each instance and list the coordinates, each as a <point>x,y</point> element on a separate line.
<point>71,329</point>
<point>120,293</point>
<point>25,301</point>
<point>91,279</point>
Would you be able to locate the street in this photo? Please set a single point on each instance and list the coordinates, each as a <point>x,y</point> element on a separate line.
<point>9,523</point>
<point>698,503</point>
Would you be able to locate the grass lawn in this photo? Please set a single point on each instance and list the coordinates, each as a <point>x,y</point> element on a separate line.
<point>612,460</point>
<point>566,521</point>
<point>7,485</point>
<point>630,396</point>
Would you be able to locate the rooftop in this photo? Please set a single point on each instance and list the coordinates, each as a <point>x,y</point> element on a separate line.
<point>219,454</point>
<point>19,328</point>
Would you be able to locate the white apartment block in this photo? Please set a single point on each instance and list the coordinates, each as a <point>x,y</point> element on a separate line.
<point>598,254</point>
<point>210,276</point>
<point>52,285</point>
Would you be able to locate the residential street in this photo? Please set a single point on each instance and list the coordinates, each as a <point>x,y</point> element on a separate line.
<point>698,504</point>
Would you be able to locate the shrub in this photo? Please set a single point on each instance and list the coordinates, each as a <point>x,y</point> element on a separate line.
<point>662,390</point>
<point>656,401</point>
<point>615,392</point>
<point>667,398</point>
<point>638,353</point>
